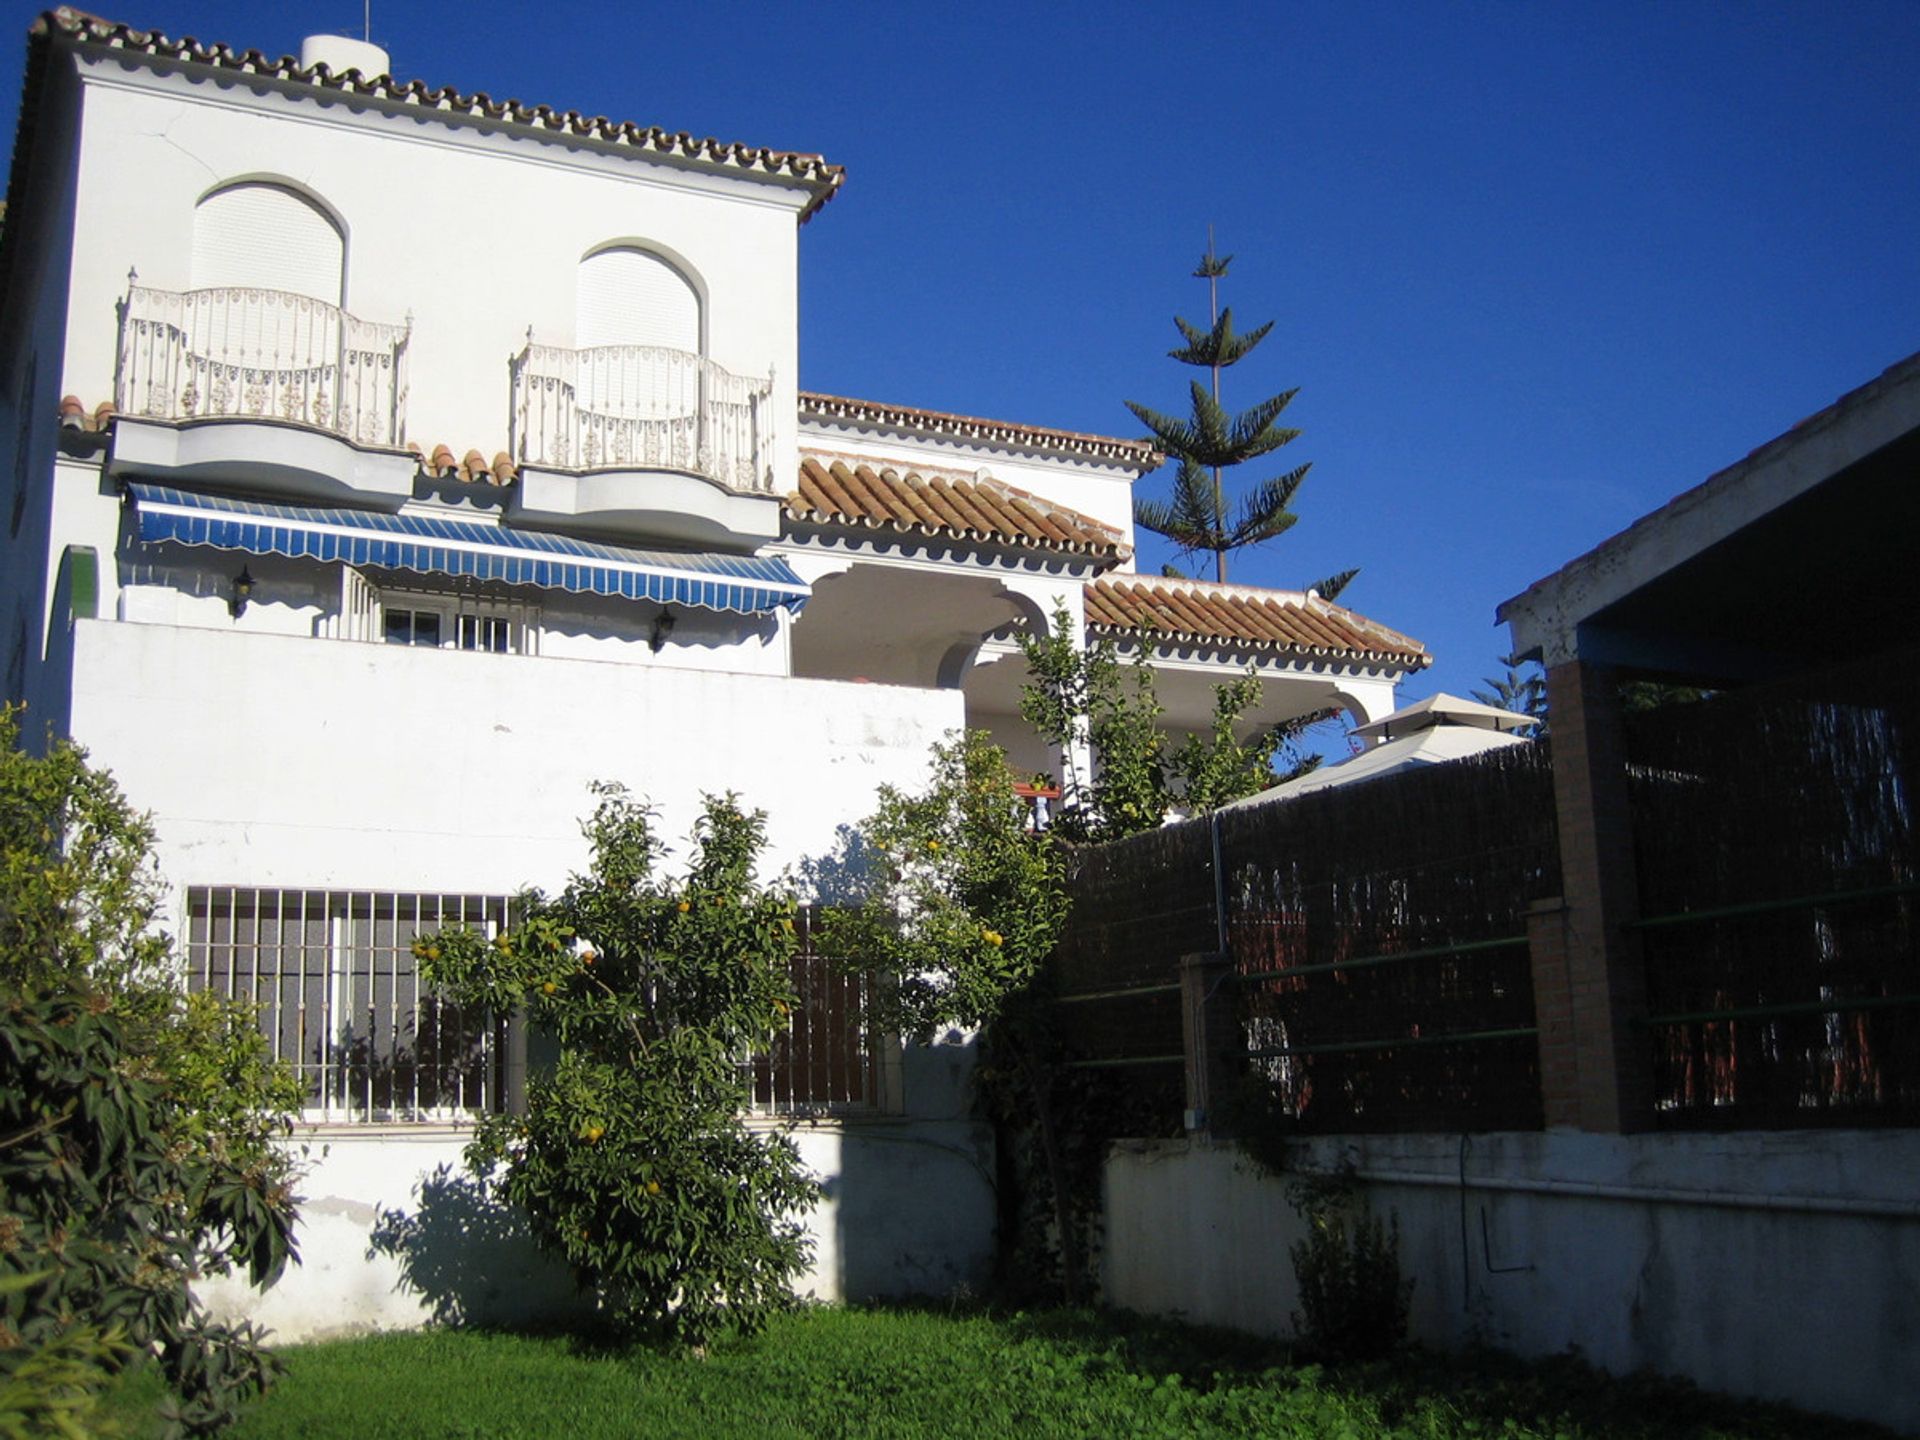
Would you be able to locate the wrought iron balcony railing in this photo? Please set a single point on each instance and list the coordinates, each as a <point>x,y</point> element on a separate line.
<point>245,353</point>
<point>641,407</point>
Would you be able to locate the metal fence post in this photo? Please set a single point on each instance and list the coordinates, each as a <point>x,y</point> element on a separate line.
<point>1211,1036</point>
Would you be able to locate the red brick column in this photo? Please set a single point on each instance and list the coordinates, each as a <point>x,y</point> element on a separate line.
<point>1589,977</point>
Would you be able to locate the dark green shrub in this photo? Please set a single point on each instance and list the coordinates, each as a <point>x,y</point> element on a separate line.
<point>139,1126</point>
<point>1353,1303</point>
<point>107,1212</point>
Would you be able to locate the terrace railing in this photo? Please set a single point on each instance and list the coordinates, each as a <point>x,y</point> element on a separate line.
<point>616,407</point>
<point>246,353</point>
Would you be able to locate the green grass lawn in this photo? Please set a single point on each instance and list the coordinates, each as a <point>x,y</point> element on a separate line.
<point>905,1373</point>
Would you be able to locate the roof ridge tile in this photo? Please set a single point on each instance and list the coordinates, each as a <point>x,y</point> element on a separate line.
<point>823,179</point>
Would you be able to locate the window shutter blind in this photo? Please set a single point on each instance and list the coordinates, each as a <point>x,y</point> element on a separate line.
<point>629,297</point>
<point>266,237</point>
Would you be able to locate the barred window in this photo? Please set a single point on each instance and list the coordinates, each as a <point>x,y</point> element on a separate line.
<point>340,999</point>
<point>832,1058</point>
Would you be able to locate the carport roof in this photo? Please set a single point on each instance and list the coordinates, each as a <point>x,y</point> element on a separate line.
<point>1799,553</point>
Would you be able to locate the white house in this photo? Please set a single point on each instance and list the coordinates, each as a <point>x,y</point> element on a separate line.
<point>357,553</point>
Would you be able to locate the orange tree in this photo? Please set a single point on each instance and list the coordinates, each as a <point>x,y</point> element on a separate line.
<point>964,903</point>
<point>632,1160</point>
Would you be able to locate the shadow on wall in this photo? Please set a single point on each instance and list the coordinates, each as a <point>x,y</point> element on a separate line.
<point>470,1257</point>
<point>909,1206</point>
<point>914,1204</point>
<point>839,877</point>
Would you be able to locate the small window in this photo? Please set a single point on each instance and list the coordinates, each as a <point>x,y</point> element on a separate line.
<point>457,622</point>
<point>412,627</point>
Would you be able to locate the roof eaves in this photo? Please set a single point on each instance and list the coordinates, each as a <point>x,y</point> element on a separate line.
<point>1240,618</point>
<point>809,170</point>
<point>1140,454</point>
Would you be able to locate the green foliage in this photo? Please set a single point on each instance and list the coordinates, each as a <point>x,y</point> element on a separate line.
<point>1353,1303</point>
<point>1522,689</point>
<point>1085,701</point>
<point>1216,768</point>
<point>1638,696</point>
<point>138,1126</point>
<point>965,902</point>
<point>55,1387</point>
<point>632,1161</point>
<point>108,1208</point>
<point>904,1374</point>
<point>1103,719</point>
<point>1200,516</point>
<point>78,891</point>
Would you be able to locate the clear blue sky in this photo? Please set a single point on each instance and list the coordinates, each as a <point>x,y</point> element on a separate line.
<point>1536,268</point>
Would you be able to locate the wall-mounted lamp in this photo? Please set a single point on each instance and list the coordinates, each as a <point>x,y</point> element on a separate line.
<point>662,627</point>
<point>242,593</point>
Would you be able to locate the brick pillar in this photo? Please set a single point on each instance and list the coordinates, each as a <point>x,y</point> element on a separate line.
<point>1595,1068</point>
<point>1212,1038</point>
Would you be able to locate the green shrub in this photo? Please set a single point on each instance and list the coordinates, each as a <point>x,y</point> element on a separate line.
<point>633,1161</point>
<point>107,1211</point>
<point>1353,1303</point>
<point>138,1125</point>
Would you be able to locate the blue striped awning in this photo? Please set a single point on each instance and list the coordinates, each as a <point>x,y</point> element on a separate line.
<point>432,545</point>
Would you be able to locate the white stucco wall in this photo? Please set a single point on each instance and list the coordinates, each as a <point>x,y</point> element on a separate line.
<point>1779,1265</point>
<point>474,230</point>
<point>394,1233</point>
<point>277,760</point>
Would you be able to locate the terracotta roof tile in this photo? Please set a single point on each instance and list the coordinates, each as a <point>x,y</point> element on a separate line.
<point>473,467</point>
<point>76,416</point>
<point>844,491</point>
<point>1201,612</point>
<point>809,170</point>
<point>1139,454</point>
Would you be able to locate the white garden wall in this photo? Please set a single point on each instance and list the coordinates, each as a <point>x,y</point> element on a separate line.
<point>394,1234</point>
<point>1780,1265</point>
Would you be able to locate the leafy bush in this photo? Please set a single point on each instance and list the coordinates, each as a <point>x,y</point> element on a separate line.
<point>965,903</point>
<point>110,1209</point>
<point>1353,1303</point>
<point>633,1161</point>
<point>1118,777</point>
<point>137,1124</point>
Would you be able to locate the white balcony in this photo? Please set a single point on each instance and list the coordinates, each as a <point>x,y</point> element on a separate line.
<point>266,355</point>
<point>642,407</point>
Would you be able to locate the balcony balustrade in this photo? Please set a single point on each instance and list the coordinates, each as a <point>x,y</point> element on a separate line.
<point>244,353</point>
<point>641,407</point>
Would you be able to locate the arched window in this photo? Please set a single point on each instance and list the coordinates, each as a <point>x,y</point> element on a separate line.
<point>257,235</point>
<point>628,296</point>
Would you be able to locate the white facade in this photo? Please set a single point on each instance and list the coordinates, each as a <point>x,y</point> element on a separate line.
<point>358,550</point>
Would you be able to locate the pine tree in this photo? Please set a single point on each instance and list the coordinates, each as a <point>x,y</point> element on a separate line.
<point>1518,690</point>
<point>1199,516</point>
